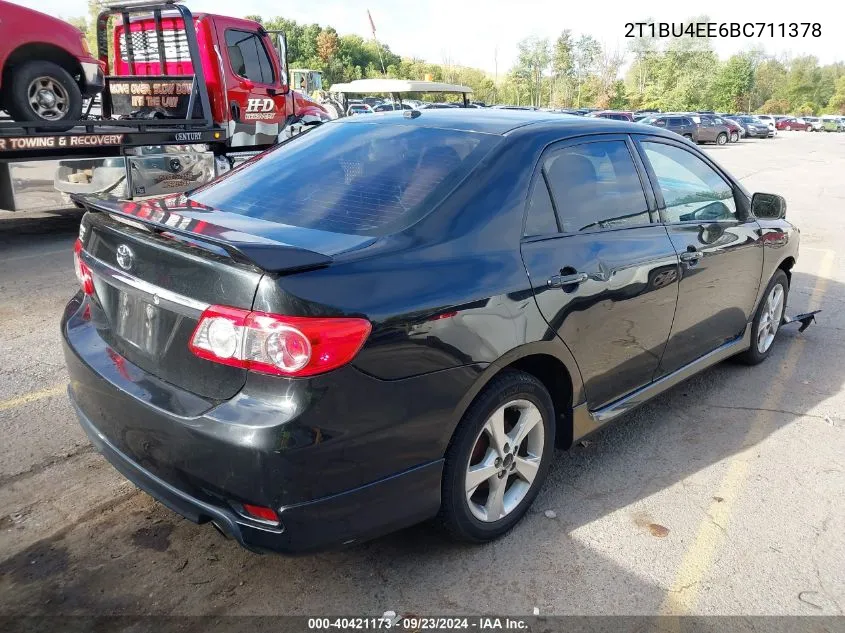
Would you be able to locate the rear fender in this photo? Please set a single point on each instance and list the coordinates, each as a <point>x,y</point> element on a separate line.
<point>554,348</point>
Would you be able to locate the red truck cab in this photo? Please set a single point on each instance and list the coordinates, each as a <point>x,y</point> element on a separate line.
<point>245,74</point>
<point>45,66</point>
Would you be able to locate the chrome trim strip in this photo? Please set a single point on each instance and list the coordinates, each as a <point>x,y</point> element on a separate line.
<point>585,422</point>
<point>152,293</point>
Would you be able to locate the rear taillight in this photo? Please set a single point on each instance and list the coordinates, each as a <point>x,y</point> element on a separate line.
<point>277,344</point>
<point>83,273</point>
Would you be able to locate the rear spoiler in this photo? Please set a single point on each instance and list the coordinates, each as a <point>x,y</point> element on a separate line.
<point>268,255</point>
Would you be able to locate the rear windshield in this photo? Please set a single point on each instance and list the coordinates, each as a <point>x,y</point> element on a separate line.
<point>357,178</point>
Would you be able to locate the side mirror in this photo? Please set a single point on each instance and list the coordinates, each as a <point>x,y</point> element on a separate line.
<point>768,206</point>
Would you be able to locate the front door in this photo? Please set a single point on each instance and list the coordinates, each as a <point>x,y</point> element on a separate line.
<point>604,274</point>
<point>721,258</point>
<point>256,100</point>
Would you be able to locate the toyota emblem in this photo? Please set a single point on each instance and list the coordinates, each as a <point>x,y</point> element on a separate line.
<point>125,257</point>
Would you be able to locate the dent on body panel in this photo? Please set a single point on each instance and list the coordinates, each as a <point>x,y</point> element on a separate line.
<point>615,323</point>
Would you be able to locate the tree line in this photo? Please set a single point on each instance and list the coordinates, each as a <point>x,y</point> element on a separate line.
<point>576,70</point>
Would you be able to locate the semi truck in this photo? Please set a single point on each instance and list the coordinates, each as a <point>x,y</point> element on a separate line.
<point>185,97</point>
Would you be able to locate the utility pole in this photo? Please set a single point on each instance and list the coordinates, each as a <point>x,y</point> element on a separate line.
<point>378,47</point>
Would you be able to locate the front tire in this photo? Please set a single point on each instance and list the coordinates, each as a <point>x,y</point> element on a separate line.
<point>721,139</point>
<point>788,128</point>
<point>44,92</point>
<point>498,458</point>
<point>734,137</point>
<point>767,320</point>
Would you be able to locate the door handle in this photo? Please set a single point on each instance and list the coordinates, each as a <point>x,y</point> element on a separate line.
<point>559,281</point>
<point>691,256</point>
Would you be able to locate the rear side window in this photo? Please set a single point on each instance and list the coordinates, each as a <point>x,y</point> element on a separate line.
<point>248,56</point>
<point>691,189</point>
<point>540,218</point>
<point>349,177</point>
<point>596,186</point>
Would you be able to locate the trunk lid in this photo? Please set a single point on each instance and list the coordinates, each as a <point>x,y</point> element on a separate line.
<point>158,264</point>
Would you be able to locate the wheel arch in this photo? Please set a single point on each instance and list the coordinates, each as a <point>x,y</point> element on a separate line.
<point>41,51</point>
<point>786,266</point>
<point>551,364</point>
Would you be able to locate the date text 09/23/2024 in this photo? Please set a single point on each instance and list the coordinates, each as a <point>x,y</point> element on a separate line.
<point>417,623</point>
<point>723,29</point>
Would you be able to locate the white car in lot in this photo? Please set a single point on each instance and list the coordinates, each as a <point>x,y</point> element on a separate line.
<point>770,121</point>
<point>815,121</point>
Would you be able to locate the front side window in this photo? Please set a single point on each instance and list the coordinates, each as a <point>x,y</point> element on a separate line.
<point>596,186</point>
<point>692,190</point>
<point>248,56</point>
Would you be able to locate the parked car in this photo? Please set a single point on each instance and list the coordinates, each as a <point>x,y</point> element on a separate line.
<point>709,131</point>
<point>46,69</point>
<point>735,130</point>
<point>754,128</point>
<point>679,124</point>
<point>770,121</point>
<point>615,115</point>
<point>340,356</point>
<point>794,123</point>
<point>390,107</point>
<point>815,122</point>
<point>359,108</point>
<point>831,123</point>
<point>437,106</point>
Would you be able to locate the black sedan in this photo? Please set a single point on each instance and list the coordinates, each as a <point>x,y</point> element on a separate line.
<point>378,323</point>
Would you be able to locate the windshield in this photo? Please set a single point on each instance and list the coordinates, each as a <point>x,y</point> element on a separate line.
<point>346,177</point>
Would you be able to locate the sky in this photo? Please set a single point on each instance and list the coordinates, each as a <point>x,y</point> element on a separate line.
<point>484,34</point>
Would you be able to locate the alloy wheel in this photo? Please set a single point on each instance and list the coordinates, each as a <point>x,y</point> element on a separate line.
<point>770,318</point>
<point>504,460</point>
<point>48,98</point>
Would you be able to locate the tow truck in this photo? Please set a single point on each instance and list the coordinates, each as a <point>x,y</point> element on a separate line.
<point>186,97</point>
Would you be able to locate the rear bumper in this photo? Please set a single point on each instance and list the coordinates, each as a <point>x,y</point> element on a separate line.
<point>342,457</point>
<point>342,519</point>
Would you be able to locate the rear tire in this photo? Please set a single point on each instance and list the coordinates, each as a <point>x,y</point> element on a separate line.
<point>688,137</point>
<point>721,139</point>
<point>44,91</point>
<point>497,502</point>
<point>767,320</point>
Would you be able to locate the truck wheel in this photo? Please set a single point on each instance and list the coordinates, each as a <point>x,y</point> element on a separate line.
<point>44,91</point>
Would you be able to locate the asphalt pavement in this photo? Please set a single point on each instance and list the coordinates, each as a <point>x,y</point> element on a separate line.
<point>725,495</point>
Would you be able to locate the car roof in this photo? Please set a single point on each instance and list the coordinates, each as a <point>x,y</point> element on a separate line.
<point>504,122</point>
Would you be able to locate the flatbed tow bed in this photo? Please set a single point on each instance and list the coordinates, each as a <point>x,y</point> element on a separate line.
<point>181,105</point>
<point>98,138</point>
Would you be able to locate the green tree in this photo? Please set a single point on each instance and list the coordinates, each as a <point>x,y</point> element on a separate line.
<point>532,60</point>
<point>733,83</point>
<point>837,101</point>
<point>587,51</point>
<point>563,70</point>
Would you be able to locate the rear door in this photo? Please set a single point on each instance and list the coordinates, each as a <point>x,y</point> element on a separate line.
<point>707,130</point>
<point>602,268</point>
<point>717,243</point>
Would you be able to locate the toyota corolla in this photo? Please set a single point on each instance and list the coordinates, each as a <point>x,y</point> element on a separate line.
<point>378,323</point>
